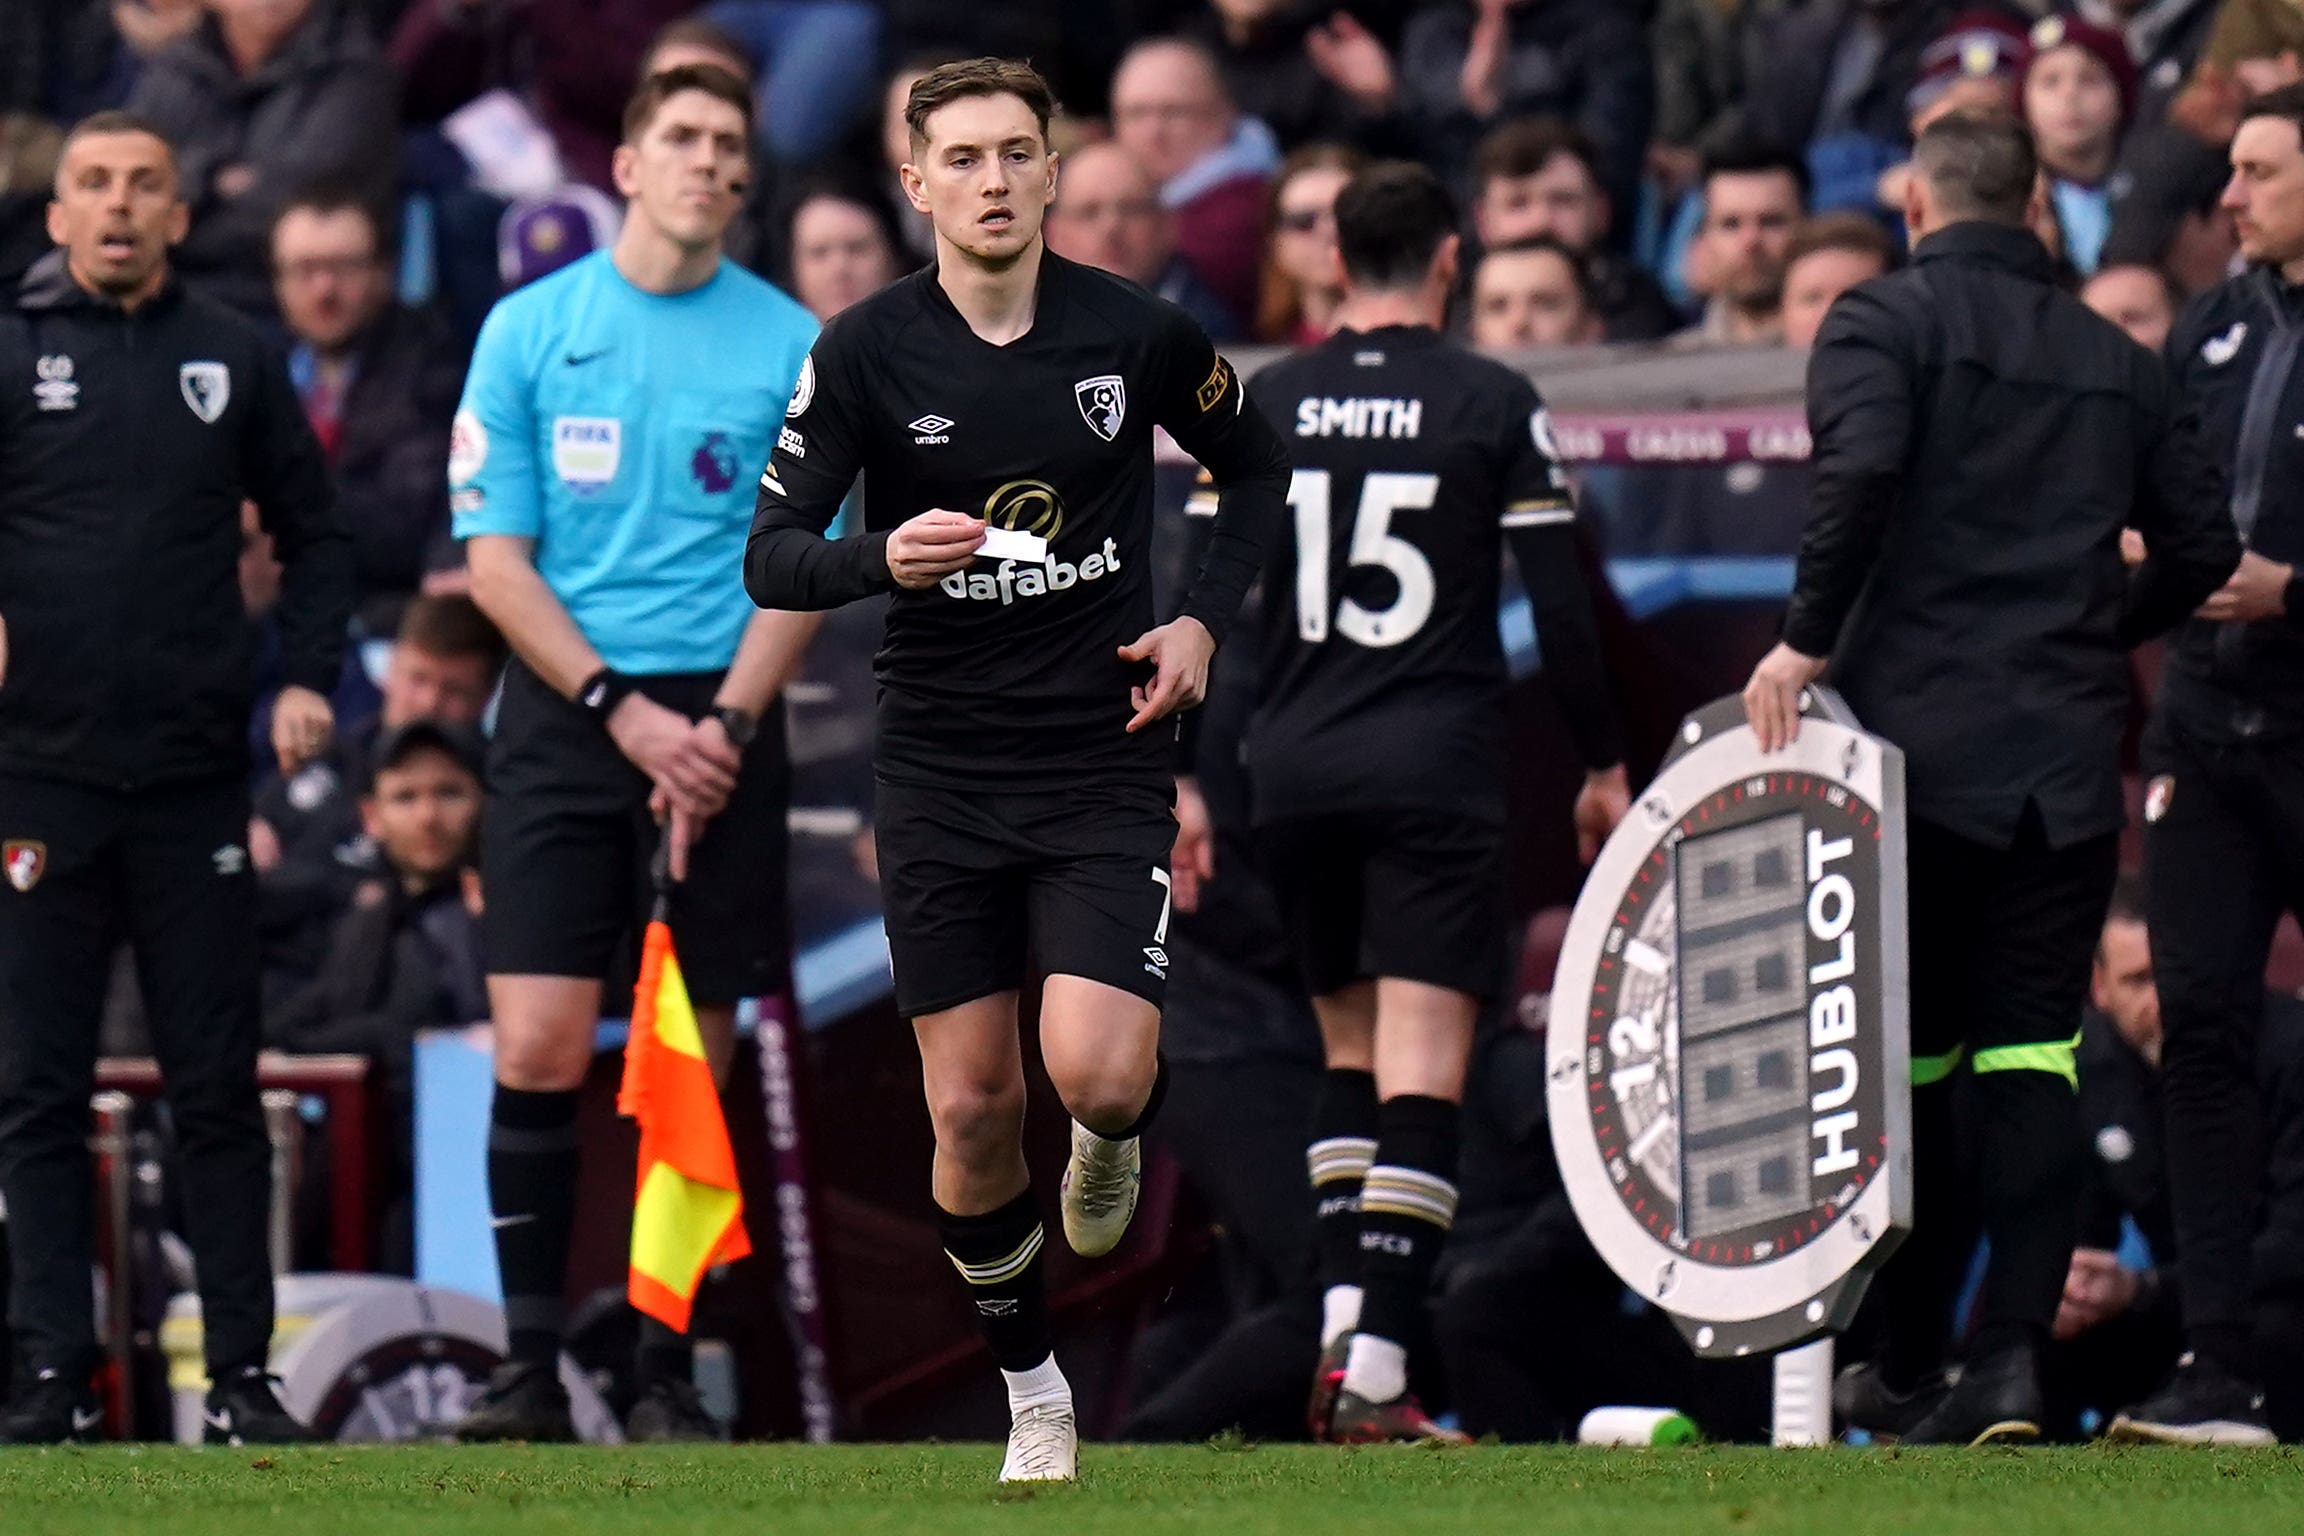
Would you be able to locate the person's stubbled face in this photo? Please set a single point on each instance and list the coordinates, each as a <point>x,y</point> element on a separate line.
<point>2073,104</point>
<point>1561,201</point>
<point>1108,215</point>
<point>1748,222</point>
<point>1529,299</point>
<point>1814,282</point>
<point>419,685</point>
<point>1168,109</point>
<point>983,173</point>
<point>2266,193</point>
<point>423,814</point>
<point>687,171</point>
<point>2134,299</point>
<point>328,275</point>
<point>2123,989</point>
<point>116,211</point>
<point>839,256</point>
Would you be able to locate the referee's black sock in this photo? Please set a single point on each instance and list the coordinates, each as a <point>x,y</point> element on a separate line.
<point>998,1254</point>
<point>1343,1146</point>
<point>1407,1204</point>
<point>532,1162</point>
<point>1914,1295</point>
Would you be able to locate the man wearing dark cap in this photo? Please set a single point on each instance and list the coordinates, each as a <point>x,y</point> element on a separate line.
<point>1980,441</point>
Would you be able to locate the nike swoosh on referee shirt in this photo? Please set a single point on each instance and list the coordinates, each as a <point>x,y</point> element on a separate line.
<point>579,359</point>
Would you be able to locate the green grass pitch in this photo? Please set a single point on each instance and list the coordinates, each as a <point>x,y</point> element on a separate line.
<point>1144,1491</point>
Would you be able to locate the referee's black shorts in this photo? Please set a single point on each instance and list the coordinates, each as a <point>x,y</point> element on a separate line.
<point>1413,893</point>
<point>566,844</point>
<point>979,885</point>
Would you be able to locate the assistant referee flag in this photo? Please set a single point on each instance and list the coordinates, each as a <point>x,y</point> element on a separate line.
<point>687,1213</point>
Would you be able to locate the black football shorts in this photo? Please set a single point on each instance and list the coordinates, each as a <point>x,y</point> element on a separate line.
<point>982,888</point>
<point>1415,894</point>
<point>566,843</point>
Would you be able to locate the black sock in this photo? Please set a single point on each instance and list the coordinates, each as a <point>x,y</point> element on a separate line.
<point>998,1254</point>
<point>1407,1204</point>
<point>664,1355</point>
<point>1343,1145</point>
<point>1152,1102</point>
<point>532,1192</point>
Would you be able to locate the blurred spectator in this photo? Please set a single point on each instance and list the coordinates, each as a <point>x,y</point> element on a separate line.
<point>2166,213</point>
<point>581,58</point>
<point>1302,280</point>
<point>1303,75</point>
<point>896,148</point>
<point>305,835</point>
<point>1829,255</point>
<point>1704,56</point>
<point>1976,64</point>
<point>1170,108</point>
<point>1534,294</point>
<point>811,61</point>
<point>264,97</point>
<point>1108,214</point>
<point>405,955</point>
<point>1834,76</point>
<point>2139,300</point>
<point>843,249</point>
<point>1470,64</point>
<point>2079,92</point>
<point>1754,195</point>
<point>379,383</point>
<point>1539,176</point>
<point>2165,39</point>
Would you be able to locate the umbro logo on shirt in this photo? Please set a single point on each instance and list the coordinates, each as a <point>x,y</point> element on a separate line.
<point>932,428</point>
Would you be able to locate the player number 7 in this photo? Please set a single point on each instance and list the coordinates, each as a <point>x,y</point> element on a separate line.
<point>1167,900</point>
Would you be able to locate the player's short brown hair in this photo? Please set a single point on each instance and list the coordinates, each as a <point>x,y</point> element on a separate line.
<point>1853,232</point>
<point>948,83</point>
<point>662,86</point>
<point>452,627</point>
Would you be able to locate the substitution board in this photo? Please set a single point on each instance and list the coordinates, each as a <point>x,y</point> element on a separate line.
<point>1728,1053</point>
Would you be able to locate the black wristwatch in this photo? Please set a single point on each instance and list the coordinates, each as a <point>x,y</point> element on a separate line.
<point>741,724</point>
<point>602,692</point>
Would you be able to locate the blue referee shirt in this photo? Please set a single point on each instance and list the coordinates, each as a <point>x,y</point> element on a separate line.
<point>625,432</point>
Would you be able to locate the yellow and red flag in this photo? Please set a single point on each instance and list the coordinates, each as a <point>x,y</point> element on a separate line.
<point>687,1214</point>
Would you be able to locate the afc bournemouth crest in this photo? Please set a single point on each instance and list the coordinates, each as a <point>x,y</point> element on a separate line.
<point>25,861</point>
<point>1728,1058</point>
<point>207,389</point>
<point>1103,403</point>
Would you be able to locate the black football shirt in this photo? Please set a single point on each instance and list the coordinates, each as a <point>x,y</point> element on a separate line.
<point>1382,668</point>
<point>1007,675</point>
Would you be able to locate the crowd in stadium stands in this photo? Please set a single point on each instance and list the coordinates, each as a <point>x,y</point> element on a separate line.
<point>367,176</point>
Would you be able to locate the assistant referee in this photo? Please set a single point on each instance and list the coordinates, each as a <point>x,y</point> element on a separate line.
<point>135,418</point>
<point>1980,441</point>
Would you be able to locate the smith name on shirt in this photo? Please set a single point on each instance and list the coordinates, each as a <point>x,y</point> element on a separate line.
<point>1322,417</point>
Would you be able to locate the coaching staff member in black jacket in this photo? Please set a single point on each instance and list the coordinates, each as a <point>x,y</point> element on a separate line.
<point>1980,441</point>
<point>2224,802</point>
<point>134,420</point>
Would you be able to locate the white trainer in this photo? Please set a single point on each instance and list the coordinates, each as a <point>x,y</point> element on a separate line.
<point>1043,1446</point>
<point>1100,1184</point>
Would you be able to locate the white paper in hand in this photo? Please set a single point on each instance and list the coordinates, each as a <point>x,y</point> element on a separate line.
<point>1013,544</point>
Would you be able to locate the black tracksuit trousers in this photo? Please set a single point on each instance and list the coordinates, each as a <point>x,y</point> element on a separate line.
<point>2224,857</point>
<point>167,869</point>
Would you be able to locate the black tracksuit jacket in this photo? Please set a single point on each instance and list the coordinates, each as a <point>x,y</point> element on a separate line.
<point>127,443</point>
